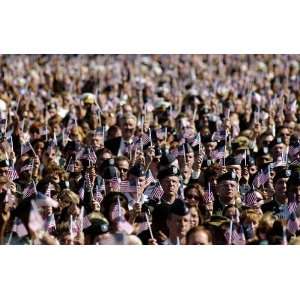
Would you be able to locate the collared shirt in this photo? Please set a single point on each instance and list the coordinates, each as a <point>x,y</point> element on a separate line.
<point>124,146</point>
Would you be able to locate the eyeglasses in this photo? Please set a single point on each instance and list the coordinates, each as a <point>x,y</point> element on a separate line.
<point>192,197</point>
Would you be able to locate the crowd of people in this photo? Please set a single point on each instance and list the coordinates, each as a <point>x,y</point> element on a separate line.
<point>149,149</point>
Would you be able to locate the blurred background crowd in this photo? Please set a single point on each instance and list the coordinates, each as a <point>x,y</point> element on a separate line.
<point>149,149</point>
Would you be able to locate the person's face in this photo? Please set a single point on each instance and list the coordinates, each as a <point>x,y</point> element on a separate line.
<point>228,189</point>
<point>128,128</point>
<point>235,168</point>
<point>281,186</point>
<point>170,185</point>
<point>231,213</point>
<point>252,169</point>
<point>179,225</point>
<point>209,147</point>
<point>77,166</point>
<point>278,150</point>
<point>199,238</point>
<point>97,142</point>
<point>123,167</point>
<point>192,196</point>
<point>3,171</point>
<point>74,210</point>
<point>194,217</point>
<point>285,134</point>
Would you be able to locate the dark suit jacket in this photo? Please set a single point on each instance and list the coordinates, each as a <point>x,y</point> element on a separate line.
<point>113,145</point>
<point>271,206</point>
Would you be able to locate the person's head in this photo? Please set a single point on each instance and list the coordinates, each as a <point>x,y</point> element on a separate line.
<point>199,235</point>
<point>285,134</point>
<point>122,164</point>
<point>265,226</point>
<point>231,211</point>
<point>78,166</point>
<point>196,217</point>
<point>233,164</point>
<point>250,219</point>
<point>188,158</point>
<point>128,126</point>
<point>278,148</point>
<point>4,165</point>
<point>194,194</point>
<point>178,220</point>
<point>169,180</point>
<point>97,141</point>
<point>228,187</point>
<point>137,175</point>
<point>280,181</point>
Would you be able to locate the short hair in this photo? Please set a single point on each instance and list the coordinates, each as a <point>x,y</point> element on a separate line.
<point>121,158</point>
<point>128,116</point>
<point>250,214</point>
<point>197,229</point>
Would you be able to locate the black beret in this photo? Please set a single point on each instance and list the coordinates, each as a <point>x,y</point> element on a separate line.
<point>179,208</point>
<point>171,171</point>
<point>137,170</point>
<point>97,227</point>
<point>263,152</point>
<point>232,160</point>
<point>283,173</point>
<point>4,163</point>
<point>166,159</point>
<point>277,141</point>
<point>110,172</point>
<point>228,176</point>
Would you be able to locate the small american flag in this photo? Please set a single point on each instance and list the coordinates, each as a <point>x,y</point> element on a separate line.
<point>250,199</point>
<point>29,191</point>
<point>35,220</point>
<point>86,222</point>
<point>292,206</point>
<point>219,135</point>
<point>208,197</point>
<point>197,140</point>
<point>235,237</point>
<point>25,148</point>
<point>293,224</point>
<point>19,228</point>
<point>114,183</point>
<point>149,178</point>
<point>293,150</point>
<point>174,152</point>
<point>145,139</point>
<point>50,223</point>
<point>81,192</point>
<point>12,174</point>
<point>49,189</point>
<point>142,227</point>
<point>218,153</point>
<point>124,226</point>
<point>261,178</point>
<point>28,167</point>
<point>125,187</point>
<point>70,167</point>
<point>98,195</point>
<point>157,192</point>
<point>160,133</point>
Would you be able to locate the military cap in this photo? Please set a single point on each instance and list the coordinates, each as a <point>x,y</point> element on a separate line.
<point>264,151</point>
<point>170,171</point>
<point>276,141</point>
<point>110,172</point>
<point>228,176</point>
<point>137,170</point>
<point>179,208</point>
<point>241,143</point>
<point>108,163</point>
<point>282,173</point>
<point>88,98</point>
<point>232,160</point>
<point>166,159</point>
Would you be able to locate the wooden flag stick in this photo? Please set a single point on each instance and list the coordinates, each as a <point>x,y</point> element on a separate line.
<point>149,226</point>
